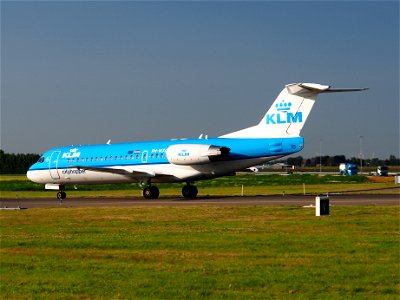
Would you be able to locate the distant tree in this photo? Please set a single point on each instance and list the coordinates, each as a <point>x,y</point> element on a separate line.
<point>338,159</point>
<point>11,163</point>
<point>330,161</point>
<point>392,161</point>
<point>354,160</point>
<point>295,161</point>
<point>307,163</point>
<point>375,162</point>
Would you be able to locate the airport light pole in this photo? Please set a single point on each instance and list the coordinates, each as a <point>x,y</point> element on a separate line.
<point>320,157</point>
<point>361,166</point>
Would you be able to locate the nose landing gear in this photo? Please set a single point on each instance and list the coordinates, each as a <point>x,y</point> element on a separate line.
<point>61,195</point>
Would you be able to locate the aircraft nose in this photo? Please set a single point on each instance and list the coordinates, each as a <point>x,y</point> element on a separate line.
<point>31,175</point>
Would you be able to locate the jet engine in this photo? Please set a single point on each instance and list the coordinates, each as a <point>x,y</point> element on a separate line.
<point>195,154</point>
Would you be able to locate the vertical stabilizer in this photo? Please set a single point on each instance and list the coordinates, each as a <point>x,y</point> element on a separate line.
<point>289,112</point>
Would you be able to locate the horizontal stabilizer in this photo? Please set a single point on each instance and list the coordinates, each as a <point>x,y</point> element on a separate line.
<point>310,89</point>
<point>289,112</point>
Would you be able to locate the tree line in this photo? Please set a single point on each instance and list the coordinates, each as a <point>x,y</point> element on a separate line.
<point>331,161</point>
<point>11,163</point>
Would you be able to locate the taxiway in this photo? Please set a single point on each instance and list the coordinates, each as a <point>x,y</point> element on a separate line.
<point>288,200</point>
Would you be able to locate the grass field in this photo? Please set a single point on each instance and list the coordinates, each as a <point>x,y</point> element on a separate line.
<point>20,187</point>
<point>200,252</point>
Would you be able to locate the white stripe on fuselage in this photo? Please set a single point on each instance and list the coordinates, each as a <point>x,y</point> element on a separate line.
<point>173,173</point>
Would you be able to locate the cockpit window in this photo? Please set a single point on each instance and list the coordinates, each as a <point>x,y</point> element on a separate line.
<point>41,159</point>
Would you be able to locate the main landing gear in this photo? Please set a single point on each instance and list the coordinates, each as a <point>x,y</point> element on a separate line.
<point>152,192</point>
<point>189,191</point>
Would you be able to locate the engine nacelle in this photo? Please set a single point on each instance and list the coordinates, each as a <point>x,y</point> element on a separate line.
<point>195,154</point>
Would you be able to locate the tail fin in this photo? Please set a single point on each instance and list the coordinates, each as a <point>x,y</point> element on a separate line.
<point>288,113</point>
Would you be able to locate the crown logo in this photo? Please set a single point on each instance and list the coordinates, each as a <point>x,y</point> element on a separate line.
<point>283,106</point>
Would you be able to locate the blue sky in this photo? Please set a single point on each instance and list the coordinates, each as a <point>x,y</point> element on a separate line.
<point>85,72</point>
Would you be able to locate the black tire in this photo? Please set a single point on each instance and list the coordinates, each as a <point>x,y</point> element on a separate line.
<point>189,191</point>
<point>155,192</point>
<point>194,191</point>
<point>147,193</point>
<point>61,195</point>
<point>151,192</point>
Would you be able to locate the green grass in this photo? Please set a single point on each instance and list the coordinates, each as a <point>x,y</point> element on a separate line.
<point>13,177</point>
<point>200,252</point>
<point>11,187</point>
<point>15,183</point>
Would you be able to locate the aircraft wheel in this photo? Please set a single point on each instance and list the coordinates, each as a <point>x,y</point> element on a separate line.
<point>151,192</point>
<point>61,195</point>
<point>189,191</point>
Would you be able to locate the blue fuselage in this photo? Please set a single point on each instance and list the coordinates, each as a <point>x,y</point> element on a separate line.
<point>72,164</point>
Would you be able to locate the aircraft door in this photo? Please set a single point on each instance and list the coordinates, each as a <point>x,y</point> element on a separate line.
<point>144,156</point>
<point>53,165</point>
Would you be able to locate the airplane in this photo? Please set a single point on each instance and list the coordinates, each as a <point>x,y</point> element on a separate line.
<point>184,160</point>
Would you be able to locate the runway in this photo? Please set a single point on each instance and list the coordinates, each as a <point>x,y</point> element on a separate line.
<point>289,200</point>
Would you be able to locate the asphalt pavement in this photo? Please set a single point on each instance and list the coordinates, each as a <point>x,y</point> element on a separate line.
<point>276,200</point>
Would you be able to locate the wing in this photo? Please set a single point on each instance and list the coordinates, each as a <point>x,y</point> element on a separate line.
<point>134,174</point>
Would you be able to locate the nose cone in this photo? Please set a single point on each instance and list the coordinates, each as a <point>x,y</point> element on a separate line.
<point>30,175</point>
<point>33,175</point>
